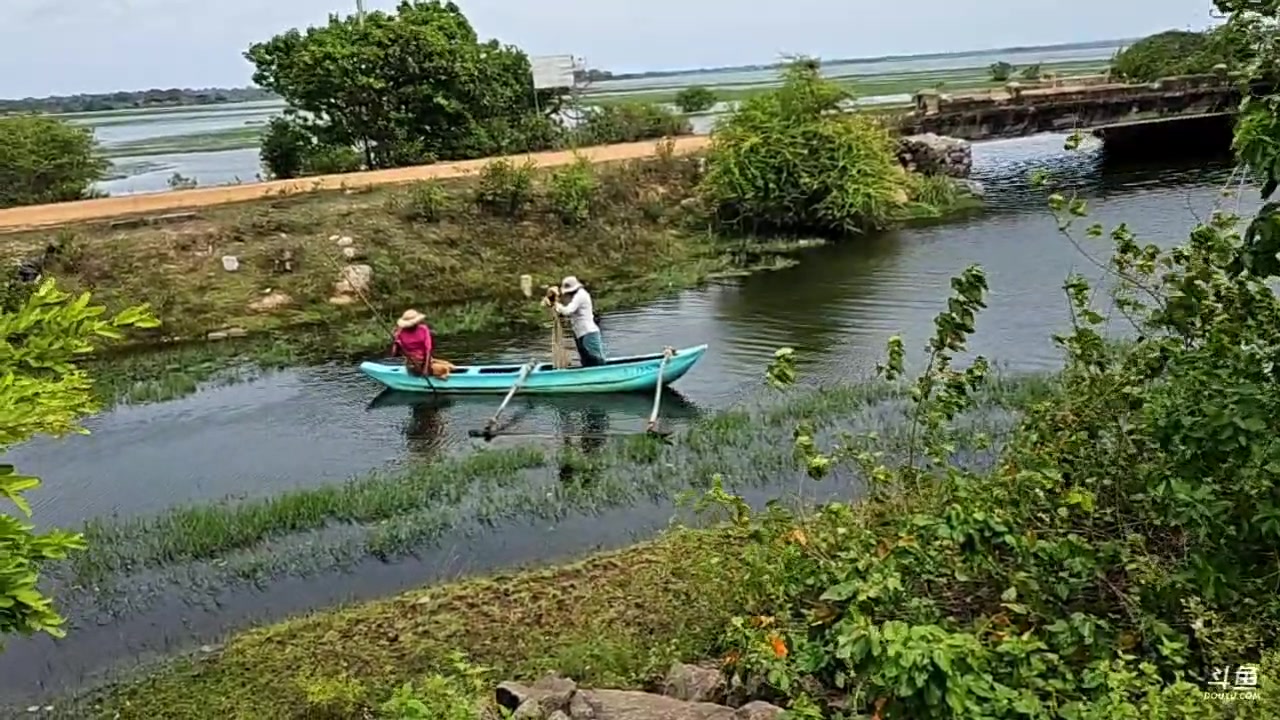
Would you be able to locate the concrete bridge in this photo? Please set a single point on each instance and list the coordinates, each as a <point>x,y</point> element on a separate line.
<point>1111,110</point>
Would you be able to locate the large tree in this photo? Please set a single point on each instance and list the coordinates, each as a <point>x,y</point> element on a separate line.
<point>408,87</point>
<point>45,160</point>
<point>42,392</point>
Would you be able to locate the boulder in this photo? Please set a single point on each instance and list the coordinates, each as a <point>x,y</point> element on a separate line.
<point>629,705</point>
<point>694,683</point>
<point>759,710</point>
<point>932,154</point>
<point>353,279</point>
<point>539,700</point>
<point>557,698</point>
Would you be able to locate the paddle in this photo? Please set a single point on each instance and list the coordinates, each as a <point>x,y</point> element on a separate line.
<point>652,427</point>
<point>487,433</point>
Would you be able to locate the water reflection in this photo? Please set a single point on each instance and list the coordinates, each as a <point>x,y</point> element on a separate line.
<point>582,421</point>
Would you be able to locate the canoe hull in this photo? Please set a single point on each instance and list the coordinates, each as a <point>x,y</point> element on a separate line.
<point>626,374</point>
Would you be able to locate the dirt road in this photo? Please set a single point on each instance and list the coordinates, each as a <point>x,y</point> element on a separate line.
<point>42,216</point>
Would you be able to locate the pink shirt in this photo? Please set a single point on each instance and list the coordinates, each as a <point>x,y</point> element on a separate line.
<point>414,343</point>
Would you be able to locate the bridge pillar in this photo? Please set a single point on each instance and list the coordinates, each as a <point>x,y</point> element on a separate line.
<point>1196,136</point>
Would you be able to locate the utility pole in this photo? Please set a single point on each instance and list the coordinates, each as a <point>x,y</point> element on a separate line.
<point>360,11</point>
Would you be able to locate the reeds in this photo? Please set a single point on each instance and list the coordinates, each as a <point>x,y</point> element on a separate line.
<point>403,509</point>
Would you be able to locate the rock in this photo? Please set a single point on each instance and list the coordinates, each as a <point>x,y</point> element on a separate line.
<point>530,710</point>
<point>558,715</point>
<point>230,263</point>
<point>628,705</point>
<point>272,301</point>
<point>217,335</point>
<point>345,241</point>
<point>693,683</point>
<point>350,253</point>
<point>353,280</point>
<point>237,332</point>
<point>547,695</point>
<point>341,300</point>
<point>933,154</point>
<point>759,711</point>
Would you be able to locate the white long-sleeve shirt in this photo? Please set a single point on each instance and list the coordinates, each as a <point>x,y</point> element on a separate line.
<point>582,316</point>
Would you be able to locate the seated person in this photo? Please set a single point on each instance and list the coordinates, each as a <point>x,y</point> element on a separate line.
<point>413,343</point>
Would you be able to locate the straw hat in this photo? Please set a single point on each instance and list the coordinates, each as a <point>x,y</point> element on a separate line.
<point>410,318</point>
<point>570,284</point>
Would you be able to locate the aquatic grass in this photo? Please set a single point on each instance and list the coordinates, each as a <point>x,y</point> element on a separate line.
<point>407,507</point>
<point>907,83</point>
<point>206,531</point>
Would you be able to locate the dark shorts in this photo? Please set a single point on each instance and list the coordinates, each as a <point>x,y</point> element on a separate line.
<point>590,349</point>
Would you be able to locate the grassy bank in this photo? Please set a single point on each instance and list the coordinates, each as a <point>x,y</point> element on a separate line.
<point>454,249</point>
<point>614,619</point>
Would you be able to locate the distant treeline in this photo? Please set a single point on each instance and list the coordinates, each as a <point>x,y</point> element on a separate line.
<point>125,100</point>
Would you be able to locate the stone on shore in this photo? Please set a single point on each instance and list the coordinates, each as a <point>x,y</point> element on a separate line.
<point>932,154</point>
<point>557,698</point>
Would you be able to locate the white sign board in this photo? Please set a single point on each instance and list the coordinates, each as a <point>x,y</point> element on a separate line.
<point>553,72</point>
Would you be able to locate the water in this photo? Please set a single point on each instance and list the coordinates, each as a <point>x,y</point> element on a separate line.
<point>1030,56</point>
<point>312,426</point>
<point>150,170</point>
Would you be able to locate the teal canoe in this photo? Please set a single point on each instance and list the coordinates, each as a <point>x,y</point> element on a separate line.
<point>625,374</point>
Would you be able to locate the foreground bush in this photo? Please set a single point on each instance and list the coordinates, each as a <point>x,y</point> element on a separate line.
<point>788,161</point>
<point>42,392</point>
<point>1121,550</point>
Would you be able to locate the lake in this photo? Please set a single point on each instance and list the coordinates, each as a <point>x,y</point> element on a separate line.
<point>149,146</point>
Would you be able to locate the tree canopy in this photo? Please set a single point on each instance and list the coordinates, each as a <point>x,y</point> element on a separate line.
<point>42,392</point>
<point>1181,52</point>
<point>408,87</point>
<point>44,160</point>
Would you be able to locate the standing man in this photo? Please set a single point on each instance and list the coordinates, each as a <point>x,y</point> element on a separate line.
<point>582,317</point>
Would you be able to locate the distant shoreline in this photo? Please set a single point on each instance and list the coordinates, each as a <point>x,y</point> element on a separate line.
<point>1093,44</point>
<point>158,99</point>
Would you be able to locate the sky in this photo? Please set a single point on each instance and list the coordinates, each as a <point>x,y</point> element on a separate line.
<point>59,47</point>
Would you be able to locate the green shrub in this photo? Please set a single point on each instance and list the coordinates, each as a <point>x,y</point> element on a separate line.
<point>572,191</point>
<point>630,122</point>
<point>505,188</point>
<point>1180,52</point>
<point>1122,547</point>
<point>695,99</point>
<point>459,695</point>
<point>46,160</point>
<point>788,162</point>
<point>1001,71</point>
<point>424,201</point>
